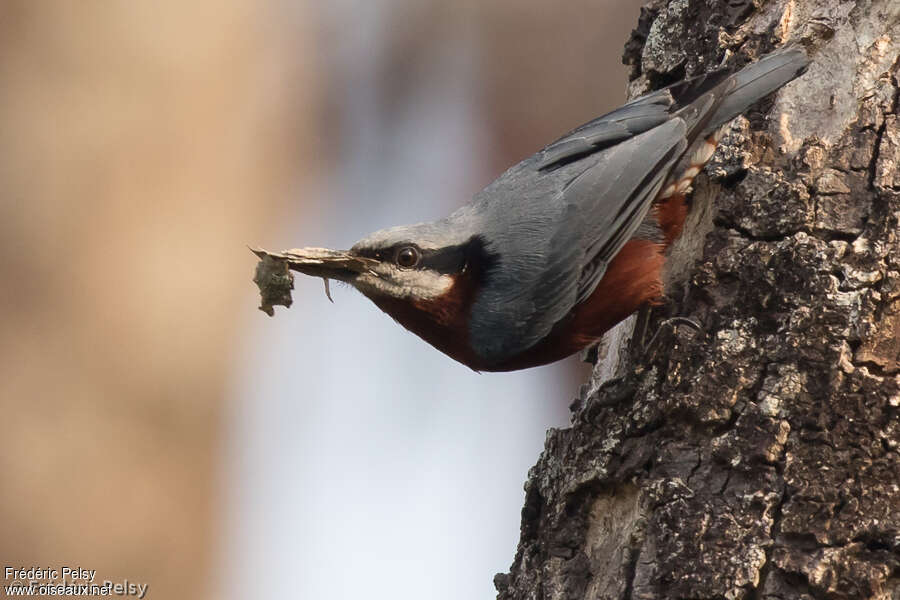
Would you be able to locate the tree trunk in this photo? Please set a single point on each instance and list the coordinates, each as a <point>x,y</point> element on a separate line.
<point>756,457</point>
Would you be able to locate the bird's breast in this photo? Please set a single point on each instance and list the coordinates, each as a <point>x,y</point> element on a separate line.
<point>442,321</point>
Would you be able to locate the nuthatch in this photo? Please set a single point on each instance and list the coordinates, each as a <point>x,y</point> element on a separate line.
<point>566,243</point>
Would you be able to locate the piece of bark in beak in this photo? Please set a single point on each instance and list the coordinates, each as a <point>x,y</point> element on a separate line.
<point>275,280</point>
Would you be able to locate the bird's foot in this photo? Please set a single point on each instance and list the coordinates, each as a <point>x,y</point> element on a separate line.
<point>670,327</point>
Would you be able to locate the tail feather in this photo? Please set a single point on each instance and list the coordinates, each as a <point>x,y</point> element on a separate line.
<point>738,92</point>
<point>718,105</point>
<point>759,79</point>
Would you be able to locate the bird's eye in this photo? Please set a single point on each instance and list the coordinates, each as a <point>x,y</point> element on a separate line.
<point>407,257</point>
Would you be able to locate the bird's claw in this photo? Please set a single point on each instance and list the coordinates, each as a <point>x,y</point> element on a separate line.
<point>670,324</point>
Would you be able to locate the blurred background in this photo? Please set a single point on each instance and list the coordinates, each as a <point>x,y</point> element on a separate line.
<point>156,427</point>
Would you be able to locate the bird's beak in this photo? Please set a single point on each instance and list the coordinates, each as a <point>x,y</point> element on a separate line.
<point>276,282</point>
<point>322,262</point>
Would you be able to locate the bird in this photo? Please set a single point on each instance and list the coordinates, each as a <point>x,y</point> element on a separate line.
<point>566,243</point>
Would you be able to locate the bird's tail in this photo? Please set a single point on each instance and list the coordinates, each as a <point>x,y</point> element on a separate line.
<point>757,80</point>
<point>729,97</point>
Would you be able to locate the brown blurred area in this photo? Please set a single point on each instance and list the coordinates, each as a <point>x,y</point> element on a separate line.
<point>142,144</point>
<point>552,67</point>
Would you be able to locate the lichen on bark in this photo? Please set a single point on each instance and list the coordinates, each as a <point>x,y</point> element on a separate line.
<point>757,457</point>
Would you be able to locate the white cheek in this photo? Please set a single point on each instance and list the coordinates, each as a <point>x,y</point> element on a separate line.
<point>401,283</point>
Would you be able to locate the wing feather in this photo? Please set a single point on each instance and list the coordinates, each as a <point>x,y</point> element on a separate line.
<point>535,284</point>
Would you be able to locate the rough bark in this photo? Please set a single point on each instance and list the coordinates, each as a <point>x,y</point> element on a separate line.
<point>756,457</point>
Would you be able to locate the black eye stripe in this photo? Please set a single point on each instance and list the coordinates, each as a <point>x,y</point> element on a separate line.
<point>445,261</point>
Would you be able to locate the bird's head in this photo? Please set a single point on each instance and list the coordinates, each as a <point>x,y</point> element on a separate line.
<point>425,276</point>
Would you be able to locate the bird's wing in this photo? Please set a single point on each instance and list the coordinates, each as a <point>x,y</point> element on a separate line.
<point>751,83</point>
<point>627,121</point>
<point>539,279</point>
<point>646,164</point>
<point>703,104</point>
